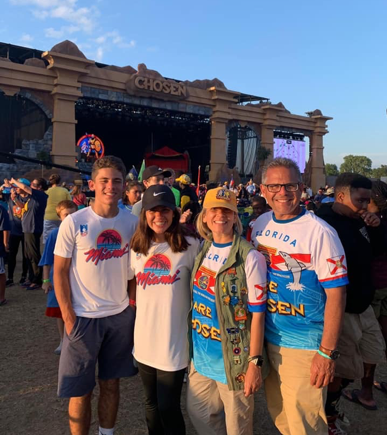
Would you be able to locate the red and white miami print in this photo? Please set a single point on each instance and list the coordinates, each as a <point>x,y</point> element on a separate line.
<point>109,245</point>
<point>157,270</point>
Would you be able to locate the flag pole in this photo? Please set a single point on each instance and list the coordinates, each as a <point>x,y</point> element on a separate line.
<point>197,188</point>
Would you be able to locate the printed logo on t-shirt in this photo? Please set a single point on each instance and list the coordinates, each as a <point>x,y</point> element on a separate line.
<point>336,265</point>
<point>109,244</point>
<point>83,230</point>
<point>294,263</point>
<point>205,280</point>
<point>157,270</point>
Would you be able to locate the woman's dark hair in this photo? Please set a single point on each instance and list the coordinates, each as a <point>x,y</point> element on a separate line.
<point>174,236</point>
<point>129,186</point>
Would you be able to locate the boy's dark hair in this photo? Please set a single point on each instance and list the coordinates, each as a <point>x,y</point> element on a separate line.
<point>379,196</point>
<point>108,162</point>
<point>349,181</point>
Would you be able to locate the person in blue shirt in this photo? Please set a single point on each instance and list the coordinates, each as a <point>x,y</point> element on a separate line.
<point>63,209</point>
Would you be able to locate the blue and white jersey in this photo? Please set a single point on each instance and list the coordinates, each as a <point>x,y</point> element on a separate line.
<point>206,336</point>
<point>304,257</point>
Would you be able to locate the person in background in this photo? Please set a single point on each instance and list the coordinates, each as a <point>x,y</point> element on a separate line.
<point>132,195</point>
<point>160,247</point>
<point>17,237</point>
<point>63,209</point>
<point>171,181</point>
<point>32,224</point>
<point>329,196</point>
<point>228,313</point>
<point>151,176</point>
<point>319,195</point>
<point>5,228</point>
<point>259,206</point>
<point>78,197</point>
<point>378,205</point>
<point>55,194</point>
<point>186,193</point>
<point>361,343</point>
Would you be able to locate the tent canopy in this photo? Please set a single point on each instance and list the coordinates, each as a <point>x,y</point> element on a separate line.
<point>168,158</point>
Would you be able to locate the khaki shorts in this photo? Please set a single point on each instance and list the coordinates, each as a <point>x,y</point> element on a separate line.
<point>361,341</point>
<point>379,304</point>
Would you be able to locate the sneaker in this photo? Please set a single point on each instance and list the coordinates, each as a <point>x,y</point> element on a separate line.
<point>26,283</point>
<point>9,283</point>
<point>335,429</point>
<point>58,350</point>
<point>22,280</point>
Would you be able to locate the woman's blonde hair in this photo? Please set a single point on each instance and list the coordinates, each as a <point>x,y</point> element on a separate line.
<point>206,233</point>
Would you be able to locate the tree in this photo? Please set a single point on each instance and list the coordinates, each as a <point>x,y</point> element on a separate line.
<point>379,172</point>
<point>331,169</point>
<point>357,164</point>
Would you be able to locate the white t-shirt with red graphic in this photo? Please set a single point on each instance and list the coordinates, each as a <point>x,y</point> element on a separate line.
<point>163,301</point>
<point>100,254</point>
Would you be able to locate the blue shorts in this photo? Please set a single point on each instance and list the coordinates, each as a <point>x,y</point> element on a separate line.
<point>108,340</point>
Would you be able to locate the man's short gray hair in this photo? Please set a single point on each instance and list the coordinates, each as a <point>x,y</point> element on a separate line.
<point>281,162</point>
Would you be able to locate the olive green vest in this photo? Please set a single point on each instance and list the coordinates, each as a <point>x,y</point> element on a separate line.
<point>234,325</point>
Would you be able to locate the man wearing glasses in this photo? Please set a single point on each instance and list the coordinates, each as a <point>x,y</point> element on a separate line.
<point>307,275</point>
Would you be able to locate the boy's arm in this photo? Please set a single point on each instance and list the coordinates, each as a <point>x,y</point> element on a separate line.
<point>47,284</point>
<point>6,240</point>
<point>63,291</point>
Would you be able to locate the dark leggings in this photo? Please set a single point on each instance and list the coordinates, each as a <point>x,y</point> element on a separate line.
<point>14,242</point>
<point>162,400</point>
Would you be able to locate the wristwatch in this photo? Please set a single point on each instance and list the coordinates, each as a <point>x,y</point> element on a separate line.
<point>256,360</point>
<point>332,354</point>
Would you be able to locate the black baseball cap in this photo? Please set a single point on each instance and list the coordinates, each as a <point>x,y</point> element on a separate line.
<point>153,171</point>
<point>158,195</point>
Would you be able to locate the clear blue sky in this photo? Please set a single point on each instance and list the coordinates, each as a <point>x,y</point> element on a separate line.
<point>328,55</point>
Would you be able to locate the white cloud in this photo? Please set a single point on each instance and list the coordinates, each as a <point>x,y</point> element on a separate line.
<point>99,54</point>
<point>26,37</point>
<point>52,33</point>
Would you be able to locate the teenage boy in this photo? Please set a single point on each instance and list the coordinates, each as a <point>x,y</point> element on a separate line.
<point>90,279</point>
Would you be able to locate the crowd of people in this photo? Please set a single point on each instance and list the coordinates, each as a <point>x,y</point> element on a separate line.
<point>239,285</point>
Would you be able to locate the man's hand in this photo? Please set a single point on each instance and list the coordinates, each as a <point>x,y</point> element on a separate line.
<point>253,380</point>
<point>322,371</point>
<point>47,286</point>
<point>370,219</point>
<point>70,322</point>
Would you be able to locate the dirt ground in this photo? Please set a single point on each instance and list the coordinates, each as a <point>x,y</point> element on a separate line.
<point>28,371</point>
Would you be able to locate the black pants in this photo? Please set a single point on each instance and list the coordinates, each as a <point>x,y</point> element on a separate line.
<point>32,251</point>
<point>14,242</point>
<point>162,400</point>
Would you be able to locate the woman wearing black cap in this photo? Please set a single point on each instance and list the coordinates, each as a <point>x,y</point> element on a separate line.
<point>162,257</point>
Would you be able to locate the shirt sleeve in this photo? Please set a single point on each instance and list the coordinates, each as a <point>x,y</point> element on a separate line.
<point>329,259</point>
<point>48,253</point>
<point>256,277</point>
<point>65,242</point>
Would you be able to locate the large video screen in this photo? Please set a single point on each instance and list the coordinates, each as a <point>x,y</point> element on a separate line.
<point>291,149</point>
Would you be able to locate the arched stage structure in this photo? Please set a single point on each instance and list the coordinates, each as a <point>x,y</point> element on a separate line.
<point>137,111</point>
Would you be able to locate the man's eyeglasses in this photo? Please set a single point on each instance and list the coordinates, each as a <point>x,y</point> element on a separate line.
<point>275,188</point>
